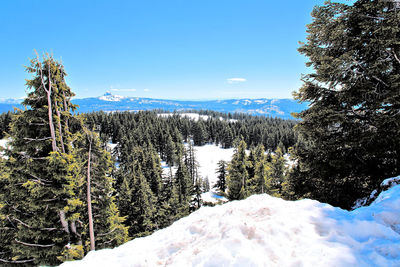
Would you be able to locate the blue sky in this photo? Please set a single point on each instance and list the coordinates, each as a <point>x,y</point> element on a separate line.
<point>179,49</point>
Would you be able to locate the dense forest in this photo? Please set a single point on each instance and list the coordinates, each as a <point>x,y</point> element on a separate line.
<point>65,193</point>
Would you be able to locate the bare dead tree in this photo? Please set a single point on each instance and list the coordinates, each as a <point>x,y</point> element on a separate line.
<point>89,199</point>
<point>49,104</point>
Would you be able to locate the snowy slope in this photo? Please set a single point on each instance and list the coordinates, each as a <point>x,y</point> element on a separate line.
<point>268,231</point>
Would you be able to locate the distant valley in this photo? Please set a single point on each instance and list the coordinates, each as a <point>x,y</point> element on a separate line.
<point>281,108</point>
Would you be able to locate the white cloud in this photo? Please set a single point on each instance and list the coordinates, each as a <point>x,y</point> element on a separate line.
<point>236,80</point>
<point>146,90</point>
<point>123,90</point>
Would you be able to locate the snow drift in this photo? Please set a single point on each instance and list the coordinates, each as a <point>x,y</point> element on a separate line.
<point>267,231</point>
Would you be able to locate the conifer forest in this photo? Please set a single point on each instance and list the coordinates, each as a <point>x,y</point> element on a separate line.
<point>71,183</point>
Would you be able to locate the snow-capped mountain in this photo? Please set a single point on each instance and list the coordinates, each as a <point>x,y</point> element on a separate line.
<point>267,107</point>
<point>109,102</point>
<point>267,231</point>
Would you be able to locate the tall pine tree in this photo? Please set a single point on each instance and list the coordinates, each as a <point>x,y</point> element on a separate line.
<point>237,173</point>
<point>350,141</point>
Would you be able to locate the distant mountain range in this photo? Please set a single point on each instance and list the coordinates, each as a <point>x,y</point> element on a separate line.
<point>108,102</point>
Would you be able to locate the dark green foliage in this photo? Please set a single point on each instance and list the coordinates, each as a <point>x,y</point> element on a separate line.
<point>205,185</point>
<point>222,173</point>
<point>5,121</point>
<point>42,177</point>
<point>237,173</point>
<point>350,138</point>
<point>276,173</point>
<point>108,224</point>
<point>257,178</point>
<point>42,203</point>
<point>163,133</point>
<point>183,183</point>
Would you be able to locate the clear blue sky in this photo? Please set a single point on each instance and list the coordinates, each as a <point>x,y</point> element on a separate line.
<point>178,49</point>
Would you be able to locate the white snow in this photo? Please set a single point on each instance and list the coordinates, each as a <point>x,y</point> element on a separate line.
<point>267,231</point>
<point>111,146</point>
<point>212,197</point>
<point>191,116</point>
<point>4,145</point>
<point>208,157</point>
<point>386,184</point>
<point>390,182</point>
<point>110,97</point>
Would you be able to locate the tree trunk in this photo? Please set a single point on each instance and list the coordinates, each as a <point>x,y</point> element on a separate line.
<point>60,128</point>
<point>64,222</point>
<point>52,131</point>
<point>66,110</point>
<point>89,200</point>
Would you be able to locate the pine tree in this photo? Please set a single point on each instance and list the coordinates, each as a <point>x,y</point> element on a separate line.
<point>222,173</point>
<point>237,173</point>
<point>350,130</point>
<point>257,183</point>
<point>275,173</point>
<point>183,183</point>
<point>43,174</point>
<point>137,202</point>
<point>205,185</point>
<point>199,134</point>
<point>96,163</point>
<point>43,187</point>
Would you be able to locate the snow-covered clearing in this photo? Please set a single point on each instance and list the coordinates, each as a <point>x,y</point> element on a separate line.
<point>267,231</point>
<point>208,157</point>
<point>193,116</point>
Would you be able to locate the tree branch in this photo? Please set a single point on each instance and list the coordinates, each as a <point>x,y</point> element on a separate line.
<point>34,245</point>
<point>37,139</point>
<point>396,57</point>
<point>21,261</point>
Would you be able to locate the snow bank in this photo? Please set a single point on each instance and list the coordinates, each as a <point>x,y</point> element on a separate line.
<point>385,185</point>
<point>267,231</point>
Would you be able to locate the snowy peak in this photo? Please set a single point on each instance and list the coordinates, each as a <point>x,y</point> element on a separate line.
<point>11,100</point>
<point>267,231</point>
<point>281,108</point>
<point>110,97</point>
<point>265,107</point>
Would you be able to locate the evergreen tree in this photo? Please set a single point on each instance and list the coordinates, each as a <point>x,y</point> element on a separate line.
<point>42,197</point>
<point>222,173</point>
<point>350,130</point>
<point>199,134</point>
<point>43,174</point>
<point>108,227</point>
<point>257,183</point>
<point>275,173</point>
<point>137,202</point>
<point>184,184</point>
<point>237,173</point>
<point>206,185</point>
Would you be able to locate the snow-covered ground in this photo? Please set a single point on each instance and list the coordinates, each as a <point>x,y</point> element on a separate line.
<point>192,116</point>
<point>267,231</point>
<point>3,145</point>
<point>208,157</point>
